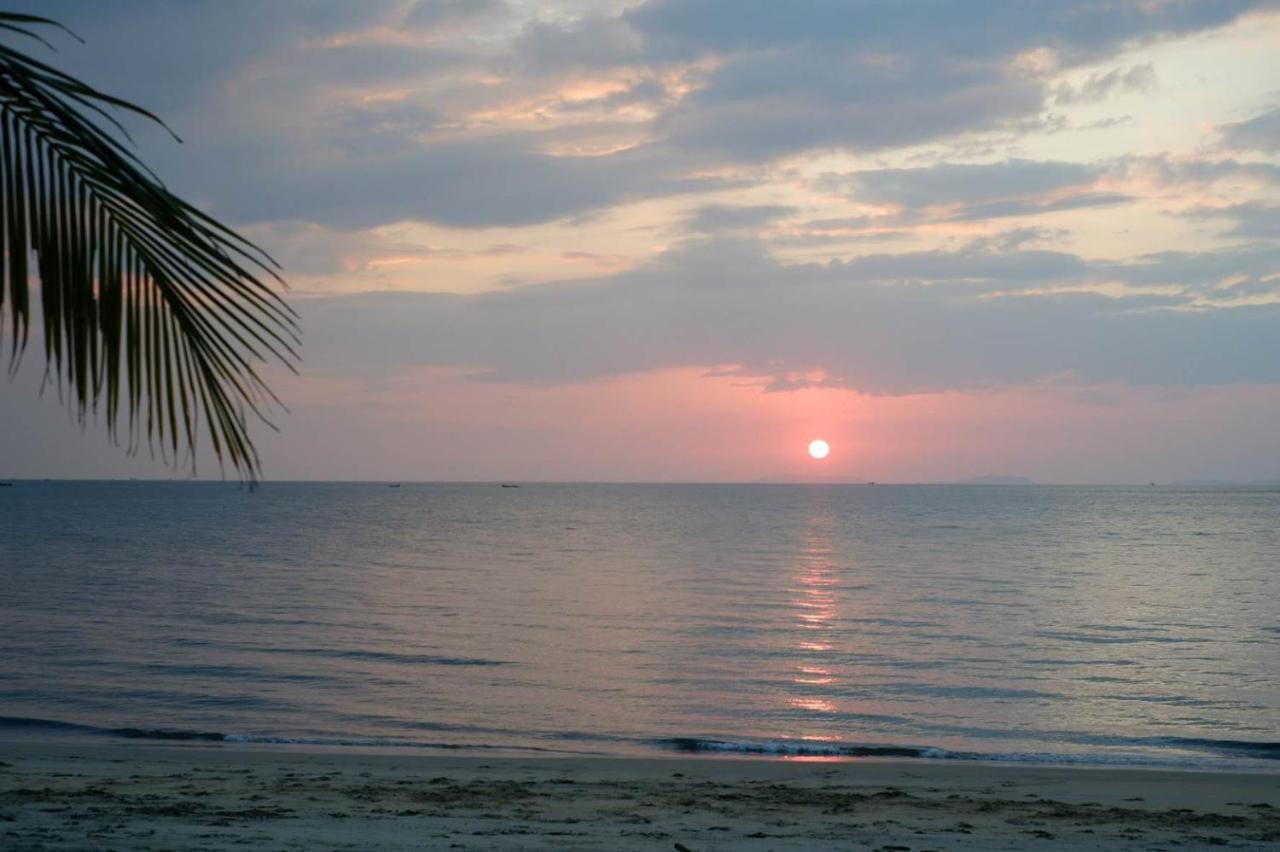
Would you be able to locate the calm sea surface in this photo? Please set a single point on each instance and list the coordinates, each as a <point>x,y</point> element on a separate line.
<point>1035,623</point>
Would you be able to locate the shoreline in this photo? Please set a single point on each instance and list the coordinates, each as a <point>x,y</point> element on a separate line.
<point>69,795</point>
<point>1243,756</point>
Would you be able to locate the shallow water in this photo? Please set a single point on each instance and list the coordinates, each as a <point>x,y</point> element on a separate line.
<point>1038,623</point>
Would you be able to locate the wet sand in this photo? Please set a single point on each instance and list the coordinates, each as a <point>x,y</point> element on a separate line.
<point>90,796</point>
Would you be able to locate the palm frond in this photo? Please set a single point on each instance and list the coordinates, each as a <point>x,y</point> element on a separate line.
<point>153,312</point>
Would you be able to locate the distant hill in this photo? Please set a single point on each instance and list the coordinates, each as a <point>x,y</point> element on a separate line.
<point>996,480</point>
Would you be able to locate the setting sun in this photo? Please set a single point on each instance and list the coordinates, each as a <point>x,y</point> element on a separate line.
<point>818,449</point>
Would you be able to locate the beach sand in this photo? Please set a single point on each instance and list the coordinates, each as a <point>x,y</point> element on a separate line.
<point>144,796</point>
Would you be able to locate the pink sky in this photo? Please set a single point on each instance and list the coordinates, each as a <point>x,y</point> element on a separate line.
<point>677,241</point>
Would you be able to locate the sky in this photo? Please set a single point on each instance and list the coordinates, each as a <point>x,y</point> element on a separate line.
<point>676,241</point>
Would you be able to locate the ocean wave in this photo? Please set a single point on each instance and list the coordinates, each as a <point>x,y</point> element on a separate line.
<point>1238,748</point>
<point>166,734</point>
<point>378,742</point>
<point>388,657</point>
<point>805,748</point>
<point>1125,751</point>
<point>817,748</point>
<point>56,727</point>
<point>25,723</point>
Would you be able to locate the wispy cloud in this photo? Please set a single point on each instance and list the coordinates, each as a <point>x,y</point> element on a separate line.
<point>980,316</point>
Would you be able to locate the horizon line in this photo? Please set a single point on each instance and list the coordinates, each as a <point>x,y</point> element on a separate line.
<point>764,482</point>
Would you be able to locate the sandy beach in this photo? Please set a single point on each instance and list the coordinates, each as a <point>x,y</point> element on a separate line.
<point>77,796</point>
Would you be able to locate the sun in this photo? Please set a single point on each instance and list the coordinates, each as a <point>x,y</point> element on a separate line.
<point>819,448</point>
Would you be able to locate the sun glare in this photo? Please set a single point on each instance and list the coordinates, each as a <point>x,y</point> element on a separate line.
<point>819,449</point>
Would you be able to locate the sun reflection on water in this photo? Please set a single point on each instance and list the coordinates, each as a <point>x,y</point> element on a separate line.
<point>816,705</point>
<point>814,610</point>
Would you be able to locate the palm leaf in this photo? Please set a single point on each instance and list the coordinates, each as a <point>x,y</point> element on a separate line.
<point>153,313</point>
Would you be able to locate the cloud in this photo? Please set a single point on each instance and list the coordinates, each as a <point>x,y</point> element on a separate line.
<point>1260,133</point>
<point>961,192</point>
<point>1099,86</point>
<point>1224,274</point>
<point>373,129</point>
<point>591,43</point>
<point>976,191</point>
<point>1016,238</point>
<point>888,324</point>
<point>1107,123</point>
<point>1078,31</point>
<point>174,56</point>
<point>715,218</point>
<point>761,107</point>
<point>335,112</point>
<point>870,75</point>
<point>970,183</point>
<point>496,181</point>
<point>440,14</point>
<point>1248,220</point>
<point>312,250</point>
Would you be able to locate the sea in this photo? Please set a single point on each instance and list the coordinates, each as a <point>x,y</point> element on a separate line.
<point>1131,626</point>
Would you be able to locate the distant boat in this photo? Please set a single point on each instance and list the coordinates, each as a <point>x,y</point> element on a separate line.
<point>393,484</point>
<point>508,485</point>
<point>6,484</point>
